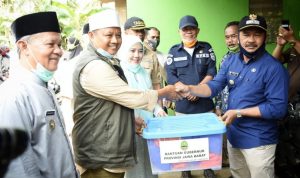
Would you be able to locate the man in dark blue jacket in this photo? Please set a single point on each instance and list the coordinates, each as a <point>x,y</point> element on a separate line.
<point>258,95</point>
<point>191,62</point>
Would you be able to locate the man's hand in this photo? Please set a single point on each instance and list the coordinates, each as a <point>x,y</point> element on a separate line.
<point>183,90</point>
<point>170,93</point>
<point>139,125</point>
<point>192,98</point>
<point>188,96</point>
<point>218,112</point>
<point>280,40</point>
<point>287,35</point>
<point>178,84</point>
<point>229,116</point>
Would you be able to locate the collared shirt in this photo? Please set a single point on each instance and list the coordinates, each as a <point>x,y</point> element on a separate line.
<point>191,70</point>
<point>261,82</point>
<point>162,58</point>
<point>114,88</point>
<point>26,103</point>
<point>222,98</point>
<point>151,64</point>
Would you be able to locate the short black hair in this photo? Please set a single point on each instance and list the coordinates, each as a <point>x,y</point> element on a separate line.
<point>151,28</point>
<point>85,28</point>
<point>232,23</point>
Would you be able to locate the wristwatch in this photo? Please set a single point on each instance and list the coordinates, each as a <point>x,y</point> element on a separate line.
<point>238,113</point>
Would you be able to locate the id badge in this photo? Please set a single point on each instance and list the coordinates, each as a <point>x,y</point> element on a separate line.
<point>50,119</point>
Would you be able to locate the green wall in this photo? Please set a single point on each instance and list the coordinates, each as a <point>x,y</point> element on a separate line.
<point>212,16</point>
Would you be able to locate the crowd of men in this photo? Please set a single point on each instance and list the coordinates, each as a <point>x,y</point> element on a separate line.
<point>253,93</point>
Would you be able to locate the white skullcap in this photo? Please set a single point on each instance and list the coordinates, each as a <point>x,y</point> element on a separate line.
<point>104,19</point>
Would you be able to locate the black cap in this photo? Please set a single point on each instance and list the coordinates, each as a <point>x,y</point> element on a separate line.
<point>134,23</point>
<point>253,21</point>
<point>86,28</point>
<point>35,23</point>
<point>188,20</point>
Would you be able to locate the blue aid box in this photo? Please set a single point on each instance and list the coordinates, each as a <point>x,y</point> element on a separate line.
<point>185,142</point>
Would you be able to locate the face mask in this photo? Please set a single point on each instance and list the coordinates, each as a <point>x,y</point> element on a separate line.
<point>104,53</point>
<point>254,54</point>
<point>190,44</point>
<point>43,73</point>
<point>234,49</point>
<point>134,67</point>
<point>154,44</point>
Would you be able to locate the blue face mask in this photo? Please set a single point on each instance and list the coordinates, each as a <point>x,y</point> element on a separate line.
<point>104,53</point>
<point>43,73</point>
<point>134,67</point>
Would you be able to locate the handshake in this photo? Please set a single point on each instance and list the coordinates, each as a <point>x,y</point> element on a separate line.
<point>176,92</point>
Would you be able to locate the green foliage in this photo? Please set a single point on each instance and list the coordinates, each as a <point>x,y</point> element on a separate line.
<point>72,15</point>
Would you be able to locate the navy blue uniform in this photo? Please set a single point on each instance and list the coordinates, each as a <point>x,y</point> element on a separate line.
<point>261,82</point>
<point>191,70</point>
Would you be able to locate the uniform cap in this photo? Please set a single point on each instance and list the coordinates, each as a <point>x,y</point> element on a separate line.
<point>188,20</point>
<point>104,19</point>
<point>253,21</point>
<point>35,23</point>
<point>135,23</point>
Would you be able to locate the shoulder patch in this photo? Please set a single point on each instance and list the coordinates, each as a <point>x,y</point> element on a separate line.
<point>212,56</point>
<point>169,61</point>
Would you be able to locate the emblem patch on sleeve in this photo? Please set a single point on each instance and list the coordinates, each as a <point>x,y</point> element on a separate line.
<point>212,56</point>
<point>169,61</point>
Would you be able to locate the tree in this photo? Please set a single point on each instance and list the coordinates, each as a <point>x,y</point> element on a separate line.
<point>72,15</point>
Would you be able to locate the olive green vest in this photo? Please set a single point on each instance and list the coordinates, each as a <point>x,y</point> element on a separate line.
<point>103,133</point>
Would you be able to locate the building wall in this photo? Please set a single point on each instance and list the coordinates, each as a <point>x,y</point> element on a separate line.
<point>212,16</point>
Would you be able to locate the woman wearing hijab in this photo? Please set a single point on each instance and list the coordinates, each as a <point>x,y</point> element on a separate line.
<point>131,54</point>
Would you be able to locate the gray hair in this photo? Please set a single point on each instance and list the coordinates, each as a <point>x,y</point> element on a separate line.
<point>24,38</point>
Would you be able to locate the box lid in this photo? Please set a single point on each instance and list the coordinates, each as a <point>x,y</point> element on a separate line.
<point>183,126</point>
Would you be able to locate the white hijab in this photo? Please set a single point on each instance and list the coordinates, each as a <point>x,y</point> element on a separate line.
<point>127,42</point>
<point>137,76</point>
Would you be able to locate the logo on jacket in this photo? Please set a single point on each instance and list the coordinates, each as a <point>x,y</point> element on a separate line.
<point>169,61</point>
<point>253,70</point>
